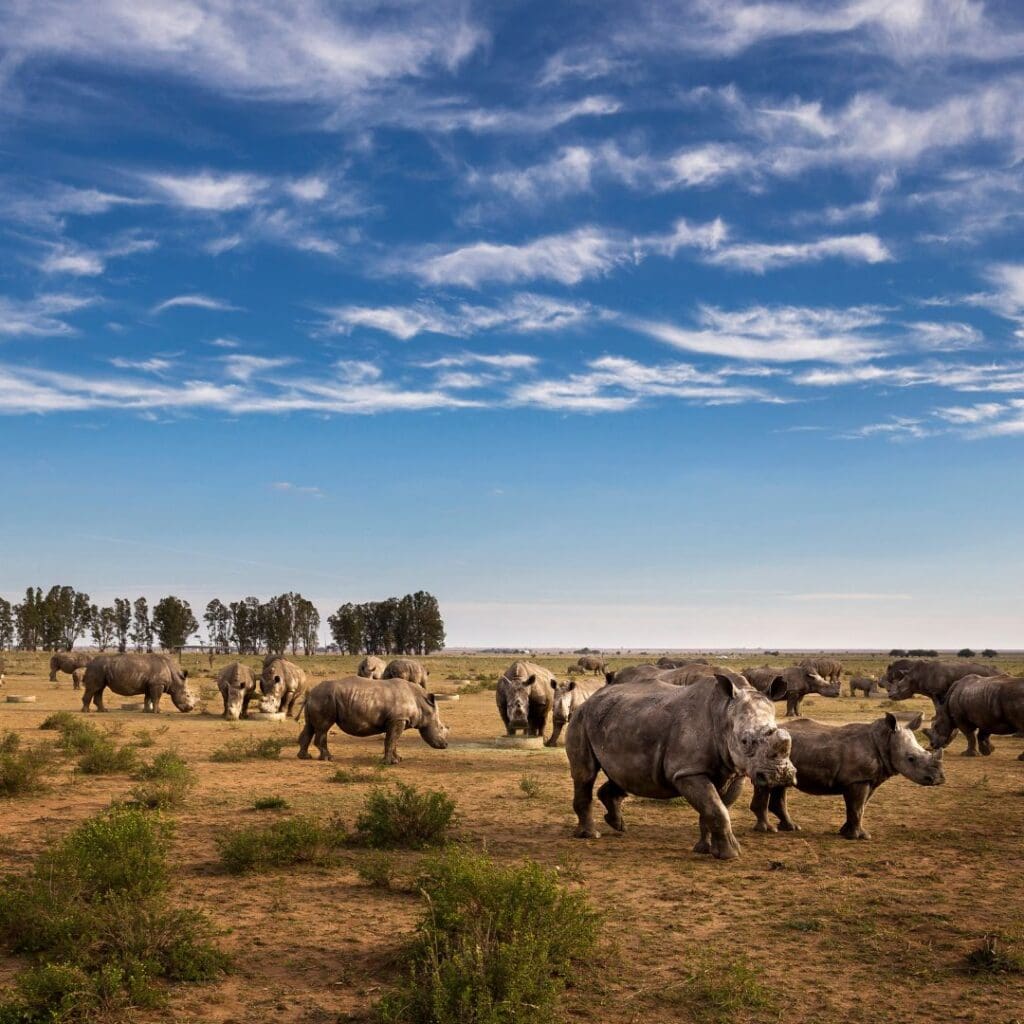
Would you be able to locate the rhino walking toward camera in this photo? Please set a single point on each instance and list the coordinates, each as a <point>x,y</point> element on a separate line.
<point>523,697</point>
<point>566,700</point>
<point>660,741</point>
<point>986,705</point>
<point>370,707</point>
<point>409,670</point>
<point>851,761</point>
<point>372,667</point>
<point>68,661</point>
<point>282,683</point>
<point>237,685</point>
<point>133,675</point>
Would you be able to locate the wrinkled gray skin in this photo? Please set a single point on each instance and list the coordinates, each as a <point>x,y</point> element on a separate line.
<point>566,699</point>
<point>237,685</point>
<point>679,662</point>
<point>372,667</point>
<point>660,741</point>
<point>850,761</point>
<point>68,661</point>
<point>827,668</point>
<point>681,675</point>
<point>523,697</point>
<point>369,707</point>
<point>591,663</point>
<point>800,681</point>
<point>575,670</point>
<point>407,669</point>
<point>77,678</point>
<point>864,684</point>
<point>632,674</point>
<point>988,705</point>
<point>132,675</point>
<point>282,684</point>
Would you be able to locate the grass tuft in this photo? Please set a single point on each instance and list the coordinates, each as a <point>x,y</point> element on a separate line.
<point>270,803</point>
<point>404,818</point>
<point>165,781</point>
<point>21,769</point>
<point>992,957</point>
<point>530,786</point>
<point>378,869</point>
<point>298,840</point>
<point>720,989</point>
<point>268,749</point>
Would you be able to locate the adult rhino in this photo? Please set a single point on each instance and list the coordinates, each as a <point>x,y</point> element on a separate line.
<point>237,685</point>
<point>863,684</point>
<point>282,683</point>
<point>827,668</point>
<point>372,667</point>
<point>679,662</point>
<point>986,705</point>
<point>369,707</point>
<point>68,661</point>
<point>132,675</point>
<point>800,681</point>
<point>660,741</point>
<point>575,670</point>
<point>682,675</point>
<point>523,697</point>
<point>632,674</point>
<point>851,761</point>
<point>409,670</point>
<point>566,700</point>
<point>591,663</point>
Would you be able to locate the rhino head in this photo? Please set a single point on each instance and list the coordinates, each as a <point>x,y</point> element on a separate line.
<point>181,695</point>
<point>272,683</point>
<point>235,701</point>
<point>433,730</point>
<point>908,757</point>
<point>817,683</point>
<point>758,747</point>
<point>517,703</point>
<point>561,703</point>
<point>942,730</point>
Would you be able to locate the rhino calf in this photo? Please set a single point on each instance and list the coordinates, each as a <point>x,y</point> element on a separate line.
<point>575,670</point>
<point>282,683</point>
<point>369,707</point>
<point>660,741</point>
<point>408,669</point>
<point>371,667</point>
<point>237,685</point>
<point>851,761</point>
<point>863,684</point>
<point>986,705</point>
<point>566,699</point>
<point>523,697</point>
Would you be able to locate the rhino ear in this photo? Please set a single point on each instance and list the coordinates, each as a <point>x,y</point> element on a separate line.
<point>554,684</point>
<point>531,680</point>
<point>777,689</point>
<point>572,685</point>
<point>184,673</point>
<point>915,723</point>
<point>432,700</point>
<point>727,686</point>
<point>890,720</point>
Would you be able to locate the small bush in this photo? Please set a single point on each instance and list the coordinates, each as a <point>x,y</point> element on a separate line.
<point>404,819</point>
<point>166,781</point>
<point>718,989</point>
<point>530,786</point>
<point>268,749</point>
<point>496,945</point>
<point>347,777</point>
<point>77,736</point>
<point>298,840</point>
<point>60,720</point>
<point>105,757</point>
<point>991,957</point>
<point>21,770</point>
<point>378,870</point>
<point>270,803</point>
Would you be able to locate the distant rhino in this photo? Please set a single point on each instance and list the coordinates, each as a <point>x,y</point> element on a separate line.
<point>237,685</point>
<point>282,683</point>
<point>682,675</point>
<point>679,662</point>
<point>523,696</point>
<point>801,680</point>
<point>851,761</point>
<point>369,707</point>
<point>591,663</point>
<point>988,705</point>
<point>409,670</point>
<point>659,741</point>
<point>132,675</point>
<point>827,668</point>
<point>68,661</point>
<point>371,667</point>
<point>863,684</point>
<point>575,670</point>
<point>566,700</point>
<point>77,678</point>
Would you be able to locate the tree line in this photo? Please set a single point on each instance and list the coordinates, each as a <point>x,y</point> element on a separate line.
<point>57,619</point>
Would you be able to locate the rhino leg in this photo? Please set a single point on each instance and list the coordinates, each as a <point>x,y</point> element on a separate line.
<point>583,805</point>
<point>612,795</point>
<point>224,697</point>
<point>245,703</point>
<point>538,719</point>
<point>305,737</point>
<point>509,731</point>
<point>972,743</point>
<point>856,798</point>
<point>53,675</point>
<point>984,743</point>
<point>556,731</point>
<point>321,744</point>
<point>391,737</point>
<point>716,836</point>
<point>792,706</point>
<point>778,804</point>
<point>759,805</point>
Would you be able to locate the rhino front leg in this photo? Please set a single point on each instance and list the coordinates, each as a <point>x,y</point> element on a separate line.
<point>972,743</point>
<point>778,804</point>
<point>759,805</point>
<point>391,738</point>
<point>716,835</point>
<point>612,795</point>
<point>792,706</point>
<point>305,738</point>
<point>984,743</point>
<point>583,805</point>
<point>245,703</point>
<point>856,798</point>
<point>556,731</point>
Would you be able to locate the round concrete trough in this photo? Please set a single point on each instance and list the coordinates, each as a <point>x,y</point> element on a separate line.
<point>446,696</point>
<point>21,698</point>
<point>267,716</point>
<point>519,742</point>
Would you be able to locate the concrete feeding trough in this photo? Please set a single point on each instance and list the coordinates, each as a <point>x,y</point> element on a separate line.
<point>21,698</point>
<point>446,696</point>
<point>267,716</point>
<point>136,705</point>
<point>519,742</point>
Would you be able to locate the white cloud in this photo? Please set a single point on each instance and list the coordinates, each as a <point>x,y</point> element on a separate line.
<point>762,256</point>
<point>209,192</point>
<point>968,415</point>
<point>40,316</point>
<point>77,262</point>
<point>193,302</point>
<point>154,365</point>
<point>308,190</point>
<point>244,368</point>
<point>896,428</point>
<point>506,361</point>
<point>1005,378</point>
<point>944,336</point>
<point>287,487</point>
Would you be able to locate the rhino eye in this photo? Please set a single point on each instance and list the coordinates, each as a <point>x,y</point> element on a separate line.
<point>913,759</point>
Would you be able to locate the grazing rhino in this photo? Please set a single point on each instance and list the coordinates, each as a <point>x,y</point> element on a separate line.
<point>682,675</point>
<point>369,707</point>
<point>372,667</point>
<point>407,669</point>
<point>632,674</point>
<point>575,670</point>
<point>237,685</point>
<point>591,663</point>
<point>132,675</point>
<point>679,662</point>
<point>659,741</point>
<point>282,683</point>
<point>988,705</point>
<point>800,681</point>
<point>827,668</point>
<point>523,697</point>
<point>68,661</point>
<point>851,761</point>
<point>566,699</point>
<point>865,684</point>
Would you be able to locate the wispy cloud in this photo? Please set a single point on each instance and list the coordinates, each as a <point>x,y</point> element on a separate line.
<point>193,301</point>
<point>302,490</point>
<point>207,191</point>
<point>154,365</point>
<point>40,316</point>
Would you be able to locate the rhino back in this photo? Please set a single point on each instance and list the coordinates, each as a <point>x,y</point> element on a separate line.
<point>364,707</point>
<point>829,758</point>
<point>991,703</point>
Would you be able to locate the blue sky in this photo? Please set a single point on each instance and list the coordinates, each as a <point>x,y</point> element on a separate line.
<point>690,323</point>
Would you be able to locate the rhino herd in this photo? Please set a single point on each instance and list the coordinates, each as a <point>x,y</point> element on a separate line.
<point>675,728</point>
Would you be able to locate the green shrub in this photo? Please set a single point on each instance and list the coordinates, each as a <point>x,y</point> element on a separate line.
<point>530,786</point>
<point>347,776</point>
<point>95,905</point>
<point>105,757</point>
<point>77,736</point>
<point>268,749</point>
<point>270,803</point>
<point>378,870</point>
<point>298,840</point>
<point>165,782</point>
<point>496,945</point>
<point>60,720</point>
<point>404,818</point>
<point>21,770</point>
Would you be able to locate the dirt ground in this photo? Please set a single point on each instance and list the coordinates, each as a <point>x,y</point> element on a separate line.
<point>857,932</point>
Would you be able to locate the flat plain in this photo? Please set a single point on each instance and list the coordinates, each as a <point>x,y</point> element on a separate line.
<point>815,928</point>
